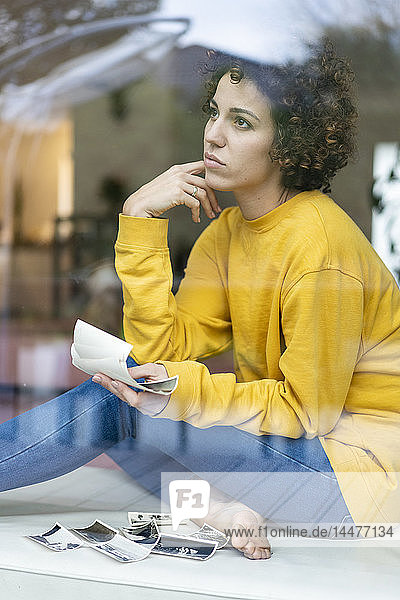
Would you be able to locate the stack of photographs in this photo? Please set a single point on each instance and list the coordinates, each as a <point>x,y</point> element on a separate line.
<point>136,542</point>
<point>98,536</point>
<point>199,545</point>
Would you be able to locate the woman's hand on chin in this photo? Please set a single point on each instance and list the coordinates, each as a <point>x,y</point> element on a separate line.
<point>179,185</point>
<point>148,403</point>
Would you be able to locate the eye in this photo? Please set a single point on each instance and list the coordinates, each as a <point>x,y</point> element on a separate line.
<point>242,123</point>
<point>212,112</point>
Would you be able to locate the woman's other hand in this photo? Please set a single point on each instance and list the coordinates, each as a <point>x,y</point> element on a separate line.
<point>172,188</point>
<point>148,403</point>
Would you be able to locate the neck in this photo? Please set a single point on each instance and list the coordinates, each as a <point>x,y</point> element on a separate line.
<point>260,200</point>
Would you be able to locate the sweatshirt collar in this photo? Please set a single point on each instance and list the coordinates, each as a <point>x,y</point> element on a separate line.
<point>277,214</point>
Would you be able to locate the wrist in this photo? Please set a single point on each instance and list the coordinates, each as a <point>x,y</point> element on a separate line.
<point>136,212</point>
<point>135,208</point>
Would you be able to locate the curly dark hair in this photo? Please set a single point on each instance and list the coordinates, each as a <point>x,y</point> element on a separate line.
<point>312,106</point>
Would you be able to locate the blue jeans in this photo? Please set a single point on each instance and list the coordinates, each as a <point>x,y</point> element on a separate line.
<point>286,480</point>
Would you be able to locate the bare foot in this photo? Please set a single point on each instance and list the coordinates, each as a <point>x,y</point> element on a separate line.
<point>245,527</point>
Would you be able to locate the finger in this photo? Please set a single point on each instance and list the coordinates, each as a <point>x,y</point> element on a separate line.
<point>118,388</point>
<point>108,383</point>
<point>193,180</point>
<point>214,199</point>
<point>194,167</point>
<point>205,194</point>
<point>201,196</point>
<point>192,203</point>
<point>147,371</point>
<point>101,379</point>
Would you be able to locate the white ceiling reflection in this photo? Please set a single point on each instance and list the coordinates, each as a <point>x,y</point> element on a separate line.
<point>273,30</point>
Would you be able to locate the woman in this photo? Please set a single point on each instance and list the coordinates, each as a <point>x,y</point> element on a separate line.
<point>288,280</point>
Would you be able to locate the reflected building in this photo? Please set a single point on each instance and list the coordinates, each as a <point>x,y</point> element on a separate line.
<point>385,229</point>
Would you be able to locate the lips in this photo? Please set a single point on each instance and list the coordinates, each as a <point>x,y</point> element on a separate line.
<point>212,159</point>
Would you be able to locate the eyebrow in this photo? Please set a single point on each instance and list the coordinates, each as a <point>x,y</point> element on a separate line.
<point>237,110</point>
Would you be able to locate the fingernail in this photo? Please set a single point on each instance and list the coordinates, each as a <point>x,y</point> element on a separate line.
<point>96,379</point>
<point>212,214</point>
<point>115,384</point>
<point>219,209</point>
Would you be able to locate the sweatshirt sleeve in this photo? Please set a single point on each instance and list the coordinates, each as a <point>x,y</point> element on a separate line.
<point>322,316</point>
<point>192,324</point>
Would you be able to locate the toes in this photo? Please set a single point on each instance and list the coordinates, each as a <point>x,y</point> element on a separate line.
<point>258,554</point>
<point>255,552</point>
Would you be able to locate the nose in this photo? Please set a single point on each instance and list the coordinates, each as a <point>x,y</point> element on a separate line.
<point>214,133</point>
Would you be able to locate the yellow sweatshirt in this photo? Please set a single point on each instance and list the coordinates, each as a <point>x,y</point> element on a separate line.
<point>313,315</point>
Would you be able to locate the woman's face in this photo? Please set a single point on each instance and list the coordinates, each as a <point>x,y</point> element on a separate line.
<point>239,133</point>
